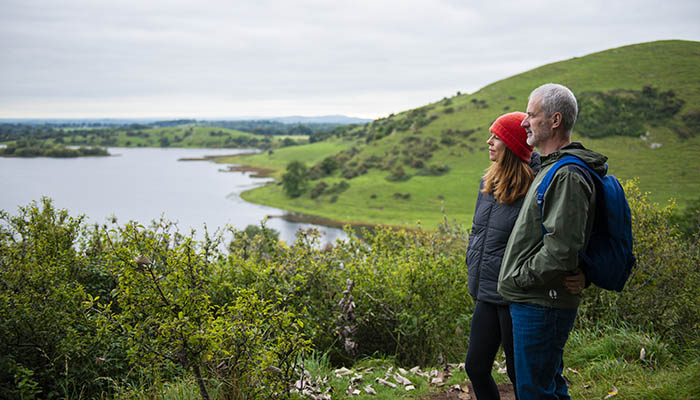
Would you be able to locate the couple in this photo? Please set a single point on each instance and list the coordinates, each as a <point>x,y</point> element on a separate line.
<point>522,259</point>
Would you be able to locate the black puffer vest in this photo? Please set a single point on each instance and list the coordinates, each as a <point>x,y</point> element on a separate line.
<point>491,227</point>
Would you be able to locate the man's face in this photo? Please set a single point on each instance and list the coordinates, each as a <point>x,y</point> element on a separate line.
<point>536,124</point>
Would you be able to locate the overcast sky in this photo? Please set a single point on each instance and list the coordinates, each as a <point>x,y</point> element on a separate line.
<point>216,59</point>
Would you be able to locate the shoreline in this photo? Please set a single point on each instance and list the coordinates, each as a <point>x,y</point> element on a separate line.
<point>300,217</point>
<point>292,216</point>
<point>256,172</point>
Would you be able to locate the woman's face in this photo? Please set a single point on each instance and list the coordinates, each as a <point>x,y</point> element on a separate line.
<point>496,147</point>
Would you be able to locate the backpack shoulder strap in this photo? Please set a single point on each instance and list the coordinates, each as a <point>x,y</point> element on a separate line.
<point>544,185</point>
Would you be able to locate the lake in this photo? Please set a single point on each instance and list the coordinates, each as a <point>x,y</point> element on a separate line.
<point>143,184</point>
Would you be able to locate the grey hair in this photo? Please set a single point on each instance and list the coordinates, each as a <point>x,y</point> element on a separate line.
<point>558,98</point>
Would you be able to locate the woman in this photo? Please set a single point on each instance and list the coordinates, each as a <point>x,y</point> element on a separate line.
<point>501,194</point>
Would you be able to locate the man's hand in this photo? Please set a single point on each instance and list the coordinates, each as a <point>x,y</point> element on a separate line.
<point>574,284</point>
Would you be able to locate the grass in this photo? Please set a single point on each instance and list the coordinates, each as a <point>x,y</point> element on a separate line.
<point>598,362</point>
<point>671,171</point>
<point>611,358</point>
<point>370,198</point>
<point>279,158</point>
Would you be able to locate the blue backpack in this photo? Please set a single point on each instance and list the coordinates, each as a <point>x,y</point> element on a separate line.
<point>608,260</point>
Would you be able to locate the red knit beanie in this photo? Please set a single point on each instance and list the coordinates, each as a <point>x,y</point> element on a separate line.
<point>507,128</point>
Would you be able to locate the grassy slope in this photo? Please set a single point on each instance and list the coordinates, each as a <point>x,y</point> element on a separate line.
<point>670,171</point>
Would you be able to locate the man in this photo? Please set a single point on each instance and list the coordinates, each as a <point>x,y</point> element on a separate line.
<point>541,259</point>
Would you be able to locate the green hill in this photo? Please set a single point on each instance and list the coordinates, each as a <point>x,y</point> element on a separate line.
<point>639,106</point>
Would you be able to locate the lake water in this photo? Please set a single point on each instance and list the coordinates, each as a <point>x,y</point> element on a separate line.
<point>143,184</point>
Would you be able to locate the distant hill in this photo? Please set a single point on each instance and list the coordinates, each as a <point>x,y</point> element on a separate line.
<point>640,106</point>
<point>327,119</point>
<point>78,121</point>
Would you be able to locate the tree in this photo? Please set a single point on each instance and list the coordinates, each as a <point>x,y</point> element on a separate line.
<point>295,179</point>
<point>328,165</point>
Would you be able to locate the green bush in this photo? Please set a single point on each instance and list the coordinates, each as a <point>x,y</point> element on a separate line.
<point>662,295</point>
<point>398,175</point>
<point>329,165</point>
<point>339,187</point>
<point>349,173</point>
<point>90,312</point>
<point>318,189</point>
<point>410,291</point>
<point>163,307</point>
<point>411,294</point>
<point>691,121</point>
<point>434,170</point>
<point>52,345</point>
<point>624,112</point>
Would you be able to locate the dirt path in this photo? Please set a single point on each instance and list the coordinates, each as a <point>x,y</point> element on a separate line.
<point>506,391</point>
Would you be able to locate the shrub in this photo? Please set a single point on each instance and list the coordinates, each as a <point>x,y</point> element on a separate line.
<point>662,294</point>
<point>287,142</point>
<point>329,165</point>
<point>52,345</point>
<point>315,173</point>
<point>318,189</point>
<point>410,140</point>
<point>164,306</point>
<point>434,170</point>
<point>416,163</point>
<point>398,174</point>
<point>447,141</point>
<point>339,187</point>
<point>411,295</point>
<point>350,173</point>
<point>624,112</point>
<point>691,124</point>
<point>255,239</point>
<point>688,221</point>
<point>410,291</point>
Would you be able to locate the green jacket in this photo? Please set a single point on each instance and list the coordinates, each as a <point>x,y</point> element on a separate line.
<point>534,266</point>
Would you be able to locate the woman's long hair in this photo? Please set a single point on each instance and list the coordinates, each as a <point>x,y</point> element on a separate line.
<point>508,178</point>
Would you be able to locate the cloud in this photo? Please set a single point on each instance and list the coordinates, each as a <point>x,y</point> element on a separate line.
<point>366,58</point>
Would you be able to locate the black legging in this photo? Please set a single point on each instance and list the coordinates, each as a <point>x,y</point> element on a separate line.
<point>491,327</point>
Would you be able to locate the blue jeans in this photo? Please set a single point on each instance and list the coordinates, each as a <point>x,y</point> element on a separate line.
<point>539,336</point>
